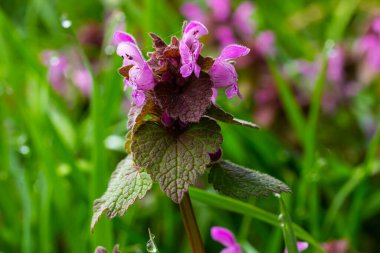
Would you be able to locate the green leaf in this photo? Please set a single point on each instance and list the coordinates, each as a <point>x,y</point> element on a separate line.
<point>240,207</point>
<point>239,182</point>
<point>175,159</point>
<point>287,228</point>
<point>126,184</point>
<point>219,114</point>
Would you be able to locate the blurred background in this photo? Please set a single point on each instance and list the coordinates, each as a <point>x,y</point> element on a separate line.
<point>311,82</point>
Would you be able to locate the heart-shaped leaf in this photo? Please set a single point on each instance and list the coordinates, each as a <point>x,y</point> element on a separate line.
<point>175,158</point>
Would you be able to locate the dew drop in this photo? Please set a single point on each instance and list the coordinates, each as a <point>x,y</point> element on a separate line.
<point>281,216</point>
<point>282,225</point>
<point>65,22</point>
<point>109,50</point>
<point>277,195</point>
<point>24,150</point>
<point>150,246</point>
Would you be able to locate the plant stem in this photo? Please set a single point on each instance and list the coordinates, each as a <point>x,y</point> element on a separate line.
<point>191,225</point>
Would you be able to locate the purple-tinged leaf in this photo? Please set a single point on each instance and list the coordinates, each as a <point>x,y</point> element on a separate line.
<point>187,103</point>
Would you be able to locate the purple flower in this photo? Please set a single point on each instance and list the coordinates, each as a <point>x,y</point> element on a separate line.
<point>225,23</point>
<point>193,12</point>
<point>264,43</point>
<point>57,68</point>
<point>225,237</point>
<point>369,46</point>
<point>82,79</point>
<point>190,48</point>
<point>242,18</point>
<point>223,72</point>
<point>301,246</point>
<point>335,66</point>
<point>221,9</point>
<point>140,74</point>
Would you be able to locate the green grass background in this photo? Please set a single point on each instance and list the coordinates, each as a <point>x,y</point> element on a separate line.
<point>46,193</point>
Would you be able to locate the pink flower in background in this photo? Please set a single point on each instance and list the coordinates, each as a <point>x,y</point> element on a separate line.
<point>223,73</point>
<point>140,75</point>
<point>335,67</point>
<point>227,239</point>
<point>301,246</point>
<point>82,79</point>
<point>64,69</point>
<point>228,27</point>
<point>57,67</point>
<point>190,48</point>
<point>264,43</point>
<point>369,46</point>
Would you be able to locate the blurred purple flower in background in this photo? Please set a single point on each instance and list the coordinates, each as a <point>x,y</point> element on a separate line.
<point>301,246</point>
<point>222,20</point>
<point>227,239</point>
<point>341,76</point>
<point>369,46</point>
<point>230,27</point>
<point>57,69</point>
<point>65,68</point>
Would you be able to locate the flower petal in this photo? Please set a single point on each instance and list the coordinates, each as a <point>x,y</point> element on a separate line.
<point>220,8</point>
<point>231,52</point>
<point>193,12</point>
<point>222,74</point>
<point>223,236</point>
<point>232,249</point>
<point>119,37</point>
<point>225,35</point>
<point>138,97</point>
<point>242,18</point>
<point>195,29</point>
<point>301,246</point>
<point>131,54</point>
<point>142,79</point>
<point>232,91</point>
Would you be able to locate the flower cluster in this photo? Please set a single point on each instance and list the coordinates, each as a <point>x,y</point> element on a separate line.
<point>64,70</point>
<point>369,46</point>
<point>232,27</point>
<point>182,81</point>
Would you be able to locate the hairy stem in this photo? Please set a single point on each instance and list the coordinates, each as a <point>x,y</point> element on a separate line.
<point>191,225</point>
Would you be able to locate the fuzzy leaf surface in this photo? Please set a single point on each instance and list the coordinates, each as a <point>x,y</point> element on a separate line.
<point>239,182</point>
<point>187,103</point>
<point>175,159</point>
<point>219,114</point>
<point>126,184</point>
<point>137,114</point>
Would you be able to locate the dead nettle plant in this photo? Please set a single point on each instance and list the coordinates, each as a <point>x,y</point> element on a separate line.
<point>173,135</point>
